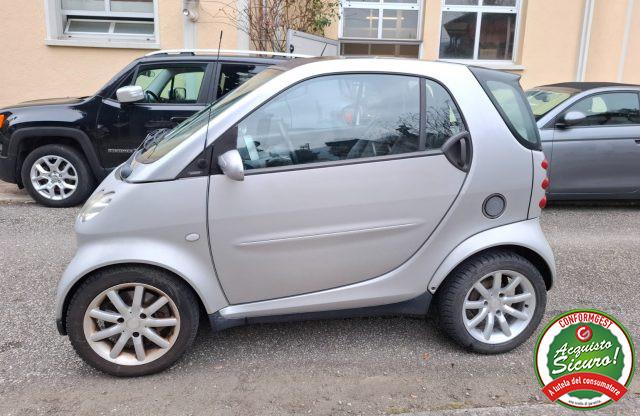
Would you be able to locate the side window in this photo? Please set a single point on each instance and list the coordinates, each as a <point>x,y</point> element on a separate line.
<point>234,75</point>
<point>609,109</point>
<point>443,119</point>
<point>171,85</point>
<point>333,118</point>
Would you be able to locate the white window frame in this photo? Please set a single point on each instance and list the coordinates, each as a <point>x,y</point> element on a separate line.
<point>479,10</point>
<point>381,7</point>
<point>57,22</point>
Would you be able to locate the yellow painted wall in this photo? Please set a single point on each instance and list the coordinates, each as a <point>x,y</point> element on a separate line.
<point>214,18</point>
<point>605,46</point>
<point>632,63</point>
<point>29,69</point>
<point>549,43</point>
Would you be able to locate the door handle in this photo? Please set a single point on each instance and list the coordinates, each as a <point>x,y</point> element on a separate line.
<point>458,150</point>
<point>178,119</point>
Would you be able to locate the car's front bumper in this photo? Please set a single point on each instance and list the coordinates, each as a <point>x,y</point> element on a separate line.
<point>8,169</point>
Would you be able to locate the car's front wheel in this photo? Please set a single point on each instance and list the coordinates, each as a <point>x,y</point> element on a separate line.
<point>492,302</point>
<point>132,321</point>
<point>57,176</point>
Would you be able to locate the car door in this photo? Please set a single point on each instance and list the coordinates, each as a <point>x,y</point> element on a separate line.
<point>341,184</point>
<point>173,92</point>
<point>599,155</point>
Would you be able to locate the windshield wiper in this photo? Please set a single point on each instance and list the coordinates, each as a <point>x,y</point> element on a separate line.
<point>153,138</point>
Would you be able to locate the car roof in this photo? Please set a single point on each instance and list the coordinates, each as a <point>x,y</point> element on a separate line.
<point>585,86</point>
<point>189,57</point>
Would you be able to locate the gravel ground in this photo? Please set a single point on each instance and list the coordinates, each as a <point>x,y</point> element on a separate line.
<point>351,366</point>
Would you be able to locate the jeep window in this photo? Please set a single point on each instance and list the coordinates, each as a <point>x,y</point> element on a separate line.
<point>505,93</point>
<point>234,75</point>
<point>164,144</point>
<point>171,84</point>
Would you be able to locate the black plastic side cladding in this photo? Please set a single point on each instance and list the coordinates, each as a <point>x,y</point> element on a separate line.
<point>416,307</point>
<point>200,166</point>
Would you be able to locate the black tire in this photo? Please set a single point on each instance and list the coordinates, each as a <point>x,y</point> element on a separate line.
<point>179,292</point>
<point>451,295</point>
<point>85,183</point>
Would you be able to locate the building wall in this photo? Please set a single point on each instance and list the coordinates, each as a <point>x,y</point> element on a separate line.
<point>631,67</point>
<point>549,45</point>
<point>607,32</point>
<point>30,69</point>
<point>550,41</point>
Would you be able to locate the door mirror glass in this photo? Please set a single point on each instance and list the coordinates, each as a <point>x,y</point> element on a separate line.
<point>130,94</point>
<point>231,165</point>
<point>572,118</point>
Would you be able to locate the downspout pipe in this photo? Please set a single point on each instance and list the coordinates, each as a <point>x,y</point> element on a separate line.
<point>625,41</point>
<point>583,53</point>
<point>190,17</point>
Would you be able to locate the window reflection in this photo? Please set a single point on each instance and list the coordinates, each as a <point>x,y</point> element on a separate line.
<point>458,35</point>
<point>496,36</point>
<point>334,118</point>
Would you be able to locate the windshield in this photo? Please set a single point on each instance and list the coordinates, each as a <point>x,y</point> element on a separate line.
<point>544,100</point>
<point>159,146</point>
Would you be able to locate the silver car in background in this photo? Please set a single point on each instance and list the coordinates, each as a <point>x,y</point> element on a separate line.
<point>591,137</point>
<point>319,188</point>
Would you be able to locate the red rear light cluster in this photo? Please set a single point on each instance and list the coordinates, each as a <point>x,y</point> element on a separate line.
<point>544,184</point>
<point>543,202</point>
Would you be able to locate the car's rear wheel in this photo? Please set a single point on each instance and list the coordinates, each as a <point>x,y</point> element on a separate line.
<point>492,302</point>
<point>132,321</point>
<point>57,176</point>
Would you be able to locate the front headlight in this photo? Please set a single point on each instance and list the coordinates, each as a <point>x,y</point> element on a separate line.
<point>95,205</point>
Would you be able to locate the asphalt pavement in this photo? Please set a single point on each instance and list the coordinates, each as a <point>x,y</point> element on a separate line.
<point>339,367</point>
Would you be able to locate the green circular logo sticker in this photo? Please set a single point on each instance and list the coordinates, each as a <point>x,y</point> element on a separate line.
<point>584,359</point>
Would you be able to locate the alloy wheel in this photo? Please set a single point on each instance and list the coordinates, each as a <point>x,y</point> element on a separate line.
<point>499,306</point>
<point>131,324</point>
<point>54,177</point>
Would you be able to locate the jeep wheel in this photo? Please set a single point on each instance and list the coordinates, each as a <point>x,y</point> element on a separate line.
<point>57,176</point>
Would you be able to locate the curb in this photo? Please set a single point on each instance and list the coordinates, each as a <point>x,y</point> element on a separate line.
<point>10,194</point>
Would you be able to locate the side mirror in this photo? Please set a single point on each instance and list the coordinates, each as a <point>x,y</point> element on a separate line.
<point>231,164</point>
<point>130,94</point>
<point>571,119</point>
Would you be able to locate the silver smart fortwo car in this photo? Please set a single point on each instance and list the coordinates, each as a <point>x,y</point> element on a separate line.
<point>329,187</point>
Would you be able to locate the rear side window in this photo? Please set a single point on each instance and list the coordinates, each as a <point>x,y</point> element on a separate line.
<point>608,109</point>
<point>506,95</point>
<point>234,75</point>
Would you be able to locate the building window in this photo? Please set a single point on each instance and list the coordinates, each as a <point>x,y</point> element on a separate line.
<point>380,27</point>
<point>115,23</point>
<point>479,29</point>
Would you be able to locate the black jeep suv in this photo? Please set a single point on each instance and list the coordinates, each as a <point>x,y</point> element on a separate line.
<point>60,149</point>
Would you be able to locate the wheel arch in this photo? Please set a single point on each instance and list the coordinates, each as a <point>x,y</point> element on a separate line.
<point>25,140</point>
<point>524,238</point>
<point>61,321</point>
